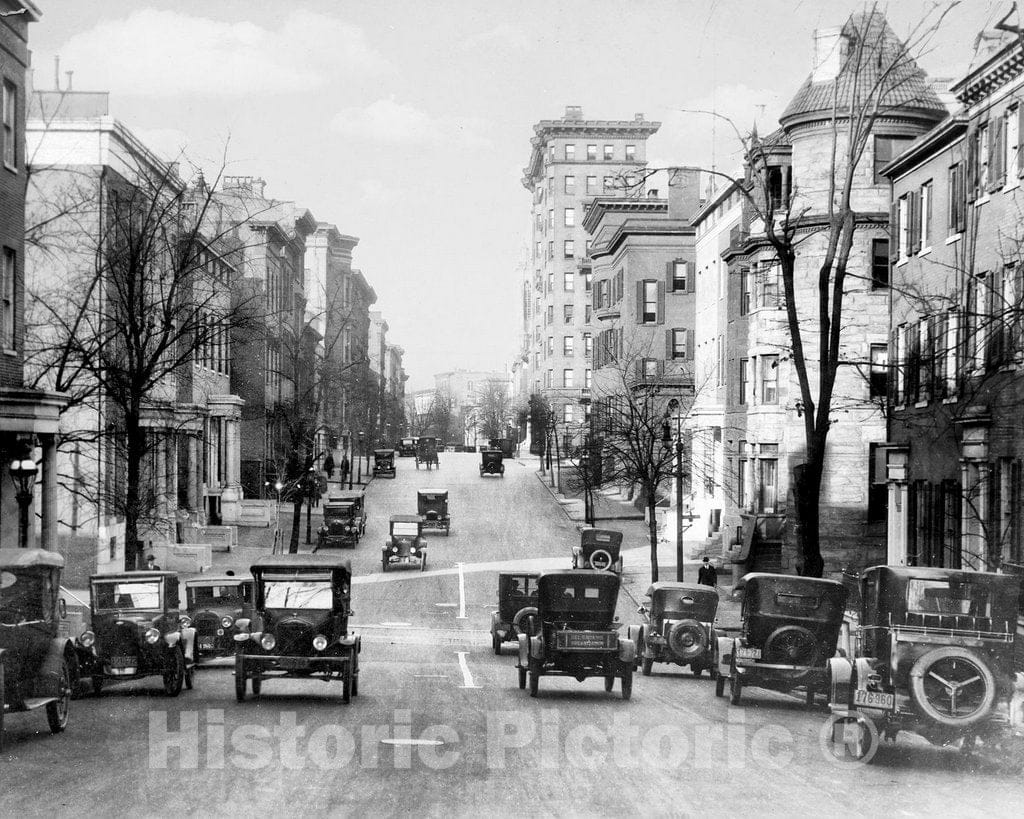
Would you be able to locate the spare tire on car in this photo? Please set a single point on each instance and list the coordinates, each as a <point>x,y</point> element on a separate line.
<point>952,686</point>
<point>687,640</point>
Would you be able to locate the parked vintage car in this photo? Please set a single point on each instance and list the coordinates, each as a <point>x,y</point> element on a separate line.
<point>383,463</point>
<point>788,631</point>
<point>341,526</point>
<point>426,452</point>
<point>38,667</point>
<point>575,633</point>
<point>299,626</point>
<point>517,601</point>
<point>680,627</point>
<point>405,543</point>
<point>213,604</point>
<point>599,549</point>
<point>355,496</point>
<point>432,507</point>
<point>934,656</point>
<point>506,445</point>
<point>490,463</point>
<point>407,448</point>
<point>136,631</point>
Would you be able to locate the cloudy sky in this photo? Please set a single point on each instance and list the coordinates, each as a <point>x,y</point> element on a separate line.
<point>407,123</point>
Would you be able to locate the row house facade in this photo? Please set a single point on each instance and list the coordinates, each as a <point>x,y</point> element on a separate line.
<point>955,444</point>
<point>573,161</point>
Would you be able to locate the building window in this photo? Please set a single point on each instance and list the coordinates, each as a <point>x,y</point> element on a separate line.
<point>551,153</point>
<point>586,247</point>
<point>551,250</point>
<point>769,379</point>
<point>649,310</point>
<point>570,217</point>
<point>591,184</point>
<point>8,329</point>
<point>650,368</point>
<point>567,345</point>
<point>741,482</point>
<point>957,200</point>
<point>588,313</point>
<point>744,379</point>
<point>592,152</point>
<point>567,414</point>
<point>587,378</point>
<point>568,280</point>
<point>879,374</point>
<point>551,218</point>
<point>768,480</point>
<point>879,263</point>
<point>568,248</point>
<point>551,346</point>
<point>567,313</point>
<point>609,153</point>
<point>10,114</point>
<point>551,281</point>
<point>680,276</point>
<point>1011,142</point>
<point>903,227</point>
<point>570,184</point>
<point>679,344</point>
<point>588,345</point>
<point>587,280</point>
<point>567,377</point>
<point>570,153</point>
<point>769,276</point>
<point>630,153</point>
<point>551,314</point>
<point>744,290</point>
<point>925,204</point>
<point>981,140</point>
<point>886,149</point>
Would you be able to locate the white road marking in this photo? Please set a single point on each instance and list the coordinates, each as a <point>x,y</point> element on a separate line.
<point>462,593</point>
<point>395,625</point>
<point>446,605</point>
<point>467,677</point>
<point>402,741</point>
<point>430,676</point>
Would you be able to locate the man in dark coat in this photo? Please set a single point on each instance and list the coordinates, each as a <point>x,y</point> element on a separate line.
<point>329,465</point>
<point>707,576</point>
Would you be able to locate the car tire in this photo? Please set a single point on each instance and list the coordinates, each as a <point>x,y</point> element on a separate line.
<point>97,684</point>
<point>57,712</point>
<point>810,697</point>
<point>679,632</point>
<point>384,564</point>
<point>256,683</point>
<point>607,560</point>
<point>423,563</point>
<point>534,679</point>
<point>520,618</point>
<point>175,675</point>
<point>791,645</point>
<point>944,664</point>
<point>2,705</point>
<point>627,684</point>
<point>346,682</point>
<point>609,683</point>
<point>522,677</point>
<point>496,643</point>
<point>190,672</point>
<point>355,673</point>
<point>239,678</point>
<point>648,665</point>
<point>735,689</point>
<point>697,670</point>
<point>719,686</point>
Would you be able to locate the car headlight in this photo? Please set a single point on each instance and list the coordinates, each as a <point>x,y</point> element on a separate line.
<point>227,621</point>
<point>87,639</point>
<point>152,635</point>
<point>319,642</point>
<point>394,549</point>
<point>268,641</point>
<point>412,550</point>
<point>184,621</point>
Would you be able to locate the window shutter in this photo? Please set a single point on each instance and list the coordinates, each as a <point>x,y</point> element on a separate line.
<point>1020,140</point>
<point>914,202</point>
<point>894,231</point>
<point>962,196</point>
<point>661,302</point>
<point>670,270</point>
<point>971,182</point>
<point>620,289</point>
<point>639,302</point>
<point>661,367</point>
<point>995,138</point>
<point>691,279</point>
<point>669,349</point>
<point>689,344</point>
<point>618,343</point>
<point>639,365</point>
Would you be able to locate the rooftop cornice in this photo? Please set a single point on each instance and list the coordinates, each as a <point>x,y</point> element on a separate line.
<point>942,135</point>
<point>1005,65</point>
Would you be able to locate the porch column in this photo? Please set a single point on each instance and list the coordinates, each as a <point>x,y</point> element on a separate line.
<point>48,501</point>
<point>192,489</point>
<point>161,471</point>
<point>897,519</point>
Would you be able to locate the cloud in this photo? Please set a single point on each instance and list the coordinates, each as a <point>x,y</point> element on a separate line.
<point>166,53</point>
<point>386,121</point>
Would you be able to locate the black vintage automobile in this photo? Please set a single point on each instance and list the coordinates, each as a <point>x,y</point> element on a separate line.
<point>680,627</point>
<point>356,497</point>
<point>383,463</point>
<point>213,605</point>
<point>933,656</point>
<point>38,668</point>
<point>575,632</point>
<point>299,626</point>
<point>136,631</point>
<point>405,544</point>
<point>490,463</point>
<point>599,549</point>
<point>426,452</point>
<point>788,631</point>
<point>432,507</point>
<point>407,448</point>
<point>517,601</point>
<point>341,526</point>
<point>506,445</point>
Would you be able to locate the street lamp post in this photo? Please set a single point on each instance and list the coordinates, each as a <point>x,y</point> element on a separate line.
<point>673,411</point>
<point>23,473</point>
<point>588,510</point>
<point>359,459</point>
<point>278,486</point>
<point>310,483</point>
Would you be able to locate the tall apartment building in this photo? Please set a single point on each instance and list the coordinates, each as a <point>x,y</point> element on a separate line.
<point>572,161</point>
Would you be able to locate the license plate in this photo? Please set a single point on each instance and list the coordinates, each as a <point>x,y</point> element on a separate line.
<point>206,642</point>
<point>874,699</point>
<point>587,640</point>
<point>743,653</point>
<point>122,662</point>
<point>292,662</point>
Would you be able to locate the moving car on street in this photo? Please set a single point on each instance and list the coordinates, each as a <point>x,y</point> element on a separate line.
<point>599,550</point>
<point>136,631</point>
<point>426,452</point>
<point>341,526</point>
<point>405,544</point>
<point>212,607</point>
<point>517,601</point>
<point>407,448</point>
<point>299,626</point>
<point>490,463</point>
<point>383,463</point>
<point>934,657</point>
<point>38,668</point>
<point>680,627</point>
<point>506,445</point>
<point>788,632</point>
<point>432,506</point>
<point>356,497</point>
<point>575,632</point>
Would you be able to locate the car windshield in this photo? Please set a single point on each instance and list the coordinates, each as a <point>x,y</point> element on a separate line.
<point>23,596</point>
<point>227,595</point>
<point>946,597</point>
<point>405,529</point>
<point>126,594</point>
<point>297,590</point>
<point>582,597</point>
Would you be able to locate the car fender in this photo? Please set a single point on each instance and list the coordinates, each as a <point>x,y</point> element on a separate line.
<point>172,638</point>
<point>840,674</point>
<point>524,650</point>
<point>348,641</point>
<point>47,678</point>
<point>725,649</point>
<point>627,650</point>
<point>188,642</point>
<point>537,647</point>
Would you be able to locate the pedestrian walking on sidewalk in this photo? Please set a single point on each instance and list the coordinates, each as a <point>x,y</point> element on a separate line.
<point>344,468</point>
<point>708,575</point>
<point>329,465</point>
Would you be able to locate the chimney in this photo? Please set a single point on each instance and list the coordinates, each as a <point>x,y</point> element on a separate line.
<point>573,112</point>
<point>683,192</point>
<point>829,50</point>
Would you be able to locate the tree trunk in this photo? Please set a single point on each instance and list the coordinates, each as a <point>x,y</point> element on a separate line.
<point>652,530</point>
<point>293,544</point>
<point>808,496</point>
<point>135,451</point>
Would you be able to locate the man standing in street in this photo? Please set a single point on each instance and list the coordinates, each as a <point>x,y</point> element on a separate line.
<point>329,466</point>
<point>707,576</point>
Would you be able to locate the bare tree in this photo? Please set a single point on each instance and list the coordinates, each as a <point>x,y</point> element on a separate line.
<point>493,408</point>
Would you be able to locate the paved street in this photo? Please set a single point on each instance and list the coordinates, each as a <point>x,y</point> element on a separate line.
<point>440,726</point>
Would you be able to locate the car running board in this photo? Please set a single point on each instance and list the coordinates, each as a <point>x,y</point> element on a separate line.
<point>31,703</point>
